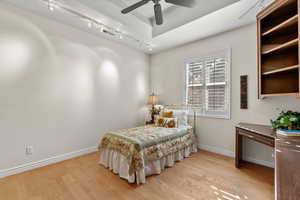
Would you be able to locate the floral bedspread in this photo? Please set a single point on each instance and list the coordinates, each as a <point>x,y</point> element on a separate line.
<point>148,143</point>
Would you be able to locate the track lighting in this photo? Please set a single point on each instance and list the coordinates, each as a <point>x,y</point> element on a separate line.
<point>50,5</point>
<point>150,48</point>
<point>101,27</point>
<point>92,22</point>
<point>51,8</point>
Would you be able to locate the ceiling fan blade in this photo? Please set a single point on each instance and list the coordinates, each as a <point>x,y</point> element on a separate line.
<point>134,6</point>
<point>185,3</point>
<point>158,14</point>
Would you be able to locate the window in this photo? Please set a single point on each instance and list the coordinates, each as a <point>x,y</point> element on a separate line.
<point>208,84</point>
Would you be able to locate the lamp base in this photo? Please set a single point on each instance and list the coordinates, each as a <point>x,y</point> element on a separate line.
<point>152,114</point>
<point>149,122</point>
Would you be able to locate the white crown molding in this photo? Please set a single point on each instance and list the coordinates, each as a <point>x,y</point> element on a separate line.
<point>45,162</point>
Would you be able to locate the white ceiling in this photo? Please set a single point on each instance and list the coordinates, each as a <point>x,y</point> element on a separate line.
<point>177,16</point>
<point>181,25</point>
<point>174,16</point>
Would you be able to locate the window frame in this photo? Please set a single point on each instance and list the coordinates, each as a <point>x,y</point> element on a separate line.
<point>227,56</point>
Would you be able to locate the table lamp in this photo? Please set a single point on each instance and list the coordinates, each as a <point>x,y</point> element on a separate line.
<point>153,100</point>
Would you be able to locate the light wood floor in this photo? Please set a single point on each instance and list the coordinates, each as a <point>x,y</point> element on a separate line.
<point>204,176</point>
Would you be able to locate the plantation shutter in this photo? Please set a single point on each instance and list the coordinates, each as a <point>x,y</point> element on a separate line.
<point>195,85</point>
<point>207,85</point>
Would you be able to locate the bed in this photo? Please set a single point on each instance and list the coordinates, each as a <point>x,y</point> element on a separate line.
<point>139,152</point>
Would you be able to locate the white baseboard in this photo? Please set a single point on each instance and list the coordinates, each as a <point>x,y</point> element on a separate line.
<point>47,161</point>
<point>216,150</point>
<point>260,162</point>
<point>62,157</point>
<point>226,152</point>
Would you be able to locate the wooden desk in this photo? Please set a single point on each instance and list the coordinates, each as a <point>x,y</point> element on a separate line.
<point>287,157</point>
<point>259,133</point>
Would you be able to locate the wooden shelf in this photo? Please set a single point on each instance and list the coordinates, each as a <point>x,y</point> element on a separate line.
<point>291,21</point>
<point>281,70</point>
<point>296,94</point>
<point>286,45</point>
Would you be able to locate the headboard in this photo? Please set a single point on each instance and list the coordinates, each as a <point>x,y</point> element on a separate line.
<point>187,107</point>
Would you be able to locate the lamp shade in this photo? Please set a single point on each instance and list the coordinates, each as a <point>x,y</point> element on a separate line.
<point>152,99</point>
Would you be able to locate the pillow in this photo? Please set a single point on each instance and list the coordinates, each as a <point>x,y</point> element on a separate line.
<point>166,122</point>
<point>160,122</point>
<point>167,114</point>
<point>181,115</point>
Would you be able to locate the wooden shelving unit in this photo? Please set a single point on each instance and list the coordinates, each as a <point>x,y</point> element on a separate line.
<point>278,49</point>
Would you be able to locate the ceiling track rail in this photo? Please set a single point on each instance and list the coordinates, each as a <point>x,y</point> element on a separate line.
<point>104,28</point>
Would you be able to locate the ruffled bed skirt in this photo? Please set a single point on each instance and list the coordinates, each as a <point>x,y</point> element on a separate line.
<point>119,163</point>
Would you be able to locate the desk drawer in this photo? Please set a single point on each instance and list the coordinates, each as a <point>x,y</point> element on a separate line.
<point>256,137</point>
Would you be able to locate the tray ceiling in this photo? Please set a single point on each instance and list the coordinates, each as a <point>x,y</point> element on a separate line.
<point>181,25</point>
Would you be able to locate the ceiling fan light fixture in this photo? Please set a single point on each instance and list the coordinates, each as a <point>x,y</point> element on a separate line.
<point>157,7</point>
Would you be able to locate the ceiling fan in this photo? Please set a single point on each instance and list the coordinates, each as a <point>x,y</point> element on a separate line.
<point>157,7</point>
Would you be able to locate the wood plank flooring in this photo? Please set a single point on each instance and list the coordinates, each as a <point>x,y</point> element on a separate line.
<point>204,176</point>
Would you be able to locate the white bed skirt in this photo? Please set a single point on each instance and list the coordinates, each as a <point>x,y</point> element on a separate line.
<point>119,163</point>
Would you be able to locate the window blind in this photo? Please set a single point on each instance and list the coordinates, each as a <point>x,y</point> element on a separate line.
<point>207,85</point>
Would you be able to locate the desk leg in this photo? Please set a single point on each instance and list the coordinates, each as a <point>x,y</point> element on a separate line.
<point>238,149</point>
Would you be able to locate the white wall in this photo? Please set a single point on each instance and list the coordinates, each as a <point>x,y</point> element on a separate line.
<point>167,79</point>
<point>62,89</point>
